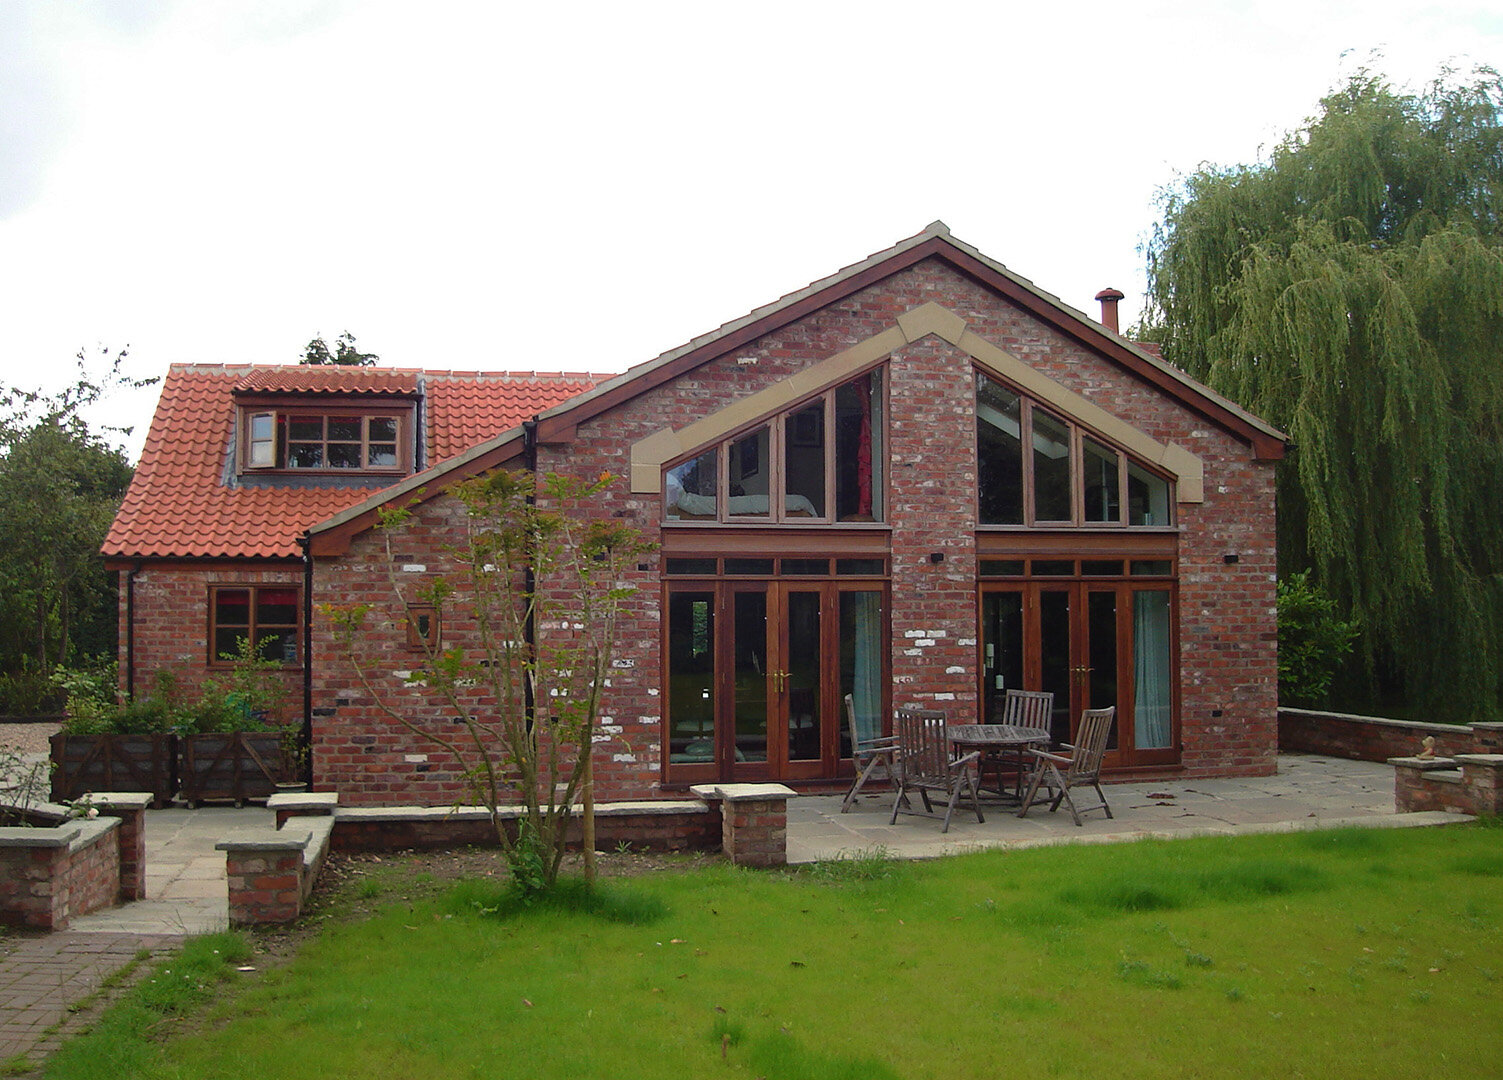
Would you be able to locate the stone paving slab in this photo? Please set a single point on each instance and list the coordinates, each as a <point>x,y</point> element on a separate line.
<point>1309,791</point>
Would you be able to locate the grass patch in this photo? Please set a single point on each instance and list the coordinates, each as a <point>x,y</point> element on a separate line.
<point>1225,957</point>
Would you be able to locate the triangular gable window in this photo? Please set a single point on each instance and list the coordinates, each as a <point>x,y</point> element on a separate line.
<point>1066,476</point>
<point>818,462</point>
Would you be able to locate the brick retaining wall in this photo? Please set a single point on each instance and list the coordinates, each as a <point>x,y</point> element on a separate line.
<point>1375,738</point>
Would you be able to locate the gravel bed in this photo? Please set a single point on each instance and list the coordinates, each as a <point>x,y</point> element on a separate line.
<point>28,738</point>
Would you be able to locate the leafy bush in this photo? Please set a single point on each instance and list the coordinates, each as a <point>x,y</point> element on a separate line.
<point>250,697</point>
<point>29,693</point>
<point>1312,640</point>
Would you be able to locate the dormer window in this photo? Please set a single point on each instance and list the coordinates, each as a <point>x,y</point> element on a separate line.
<point>327,440</point>
<point>820,461</point>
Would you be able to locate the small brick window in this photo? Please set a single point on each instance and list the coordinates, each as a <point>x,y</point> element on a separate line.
<point>422,627</point>
<point>268,616</point>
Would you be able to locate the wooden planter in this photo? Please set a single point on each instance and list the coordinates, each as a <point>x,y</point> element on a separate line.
<point>85,763</point>
<point>233,766</point>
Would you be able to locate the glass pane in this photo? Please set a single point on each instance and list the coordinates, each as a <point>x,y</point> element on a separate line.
<point>1002,649</point>
<point>690,488</point>
<point>759,567</point>
<point>1053,567</point>
<point>1054,641</point>
<point>689,566</point>
<point>804,713</point>
<point>750,675</point>
<point>278,645</point>
<point>861,567</point>
<point>805,567</point>
<point>306,429</point>
<point>276,607</point>
<point>305,455</point>
<point>1101,567</point>
<point>999,453</point>
<point>263,441</point>
<point>227,642</point>
<point>1147,497</point>
<point>1001,567</point>
<point>748,470</point>
<point>1153,694</point>
<point>862,646</point>
<point>1101,610</point>
<point>691,677</point>
<point>344,455</point>
<point>383,455</point>
<point>344,428</point>
<point>383,429</point>
<point>858,456</point>
<point>804,462</point>
<point>1103,497</point>
<point>1051,468</point>
<point>232,607</point>
<point>1152,567</point>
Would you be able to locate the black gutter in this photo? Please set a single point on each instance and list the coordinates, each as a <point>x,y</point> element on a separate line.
<point>529,581</point>
<point>130,631</point>
<point>306,543</point>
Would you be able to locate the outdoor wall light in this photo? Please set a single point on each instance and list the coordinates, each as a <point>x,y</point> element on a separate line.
<point>936,556</point>
<point>1231,557</point>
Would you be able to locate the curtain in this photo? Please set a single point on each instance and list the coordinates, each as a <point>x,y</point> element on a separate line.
<point>866,688</point>
<point>1154,696</point>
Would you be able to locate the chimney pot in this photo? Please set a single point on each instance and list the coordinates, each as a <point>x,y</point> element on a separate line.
<point>1109,298</point>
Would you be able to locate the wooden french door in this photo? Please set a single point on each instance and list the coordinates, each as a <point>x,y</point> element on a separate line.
<point>1091,644</point>
<point>757,672</point>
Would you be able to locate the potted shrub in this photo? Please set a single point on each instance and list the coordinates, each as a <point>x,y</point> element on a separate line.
<point>108,744</point>
<point>234,743</point>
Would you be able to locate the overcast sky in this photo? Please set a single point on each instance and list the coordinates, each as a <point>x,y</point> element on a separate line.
<point>581,186</point>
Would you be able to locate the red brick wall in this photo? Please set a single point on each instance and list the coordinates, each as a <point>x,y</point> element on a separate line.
<point>1370,738</point>
<point>1227,632</point>
<point>172,618</point>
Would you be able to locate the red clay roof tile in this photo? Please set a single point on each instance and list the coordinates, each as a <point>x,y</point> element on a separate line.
<point>179,505</point>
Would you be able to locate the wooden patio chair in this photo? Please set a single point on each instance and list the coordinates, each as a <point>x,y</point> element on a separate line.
<point>874,758</point>
<point>1082,765</point>
<point>1021,708</point>
<point>926,763</point>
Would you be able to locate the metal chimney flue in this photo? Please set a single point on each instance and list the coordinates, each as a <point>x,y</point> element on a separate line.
<point>1109,298</point>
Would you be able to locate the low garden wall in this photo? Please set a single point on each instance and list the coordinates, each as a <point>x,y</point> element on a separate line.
<point>1373,738</point>
<point>271,876</point>
<point>54,866</point>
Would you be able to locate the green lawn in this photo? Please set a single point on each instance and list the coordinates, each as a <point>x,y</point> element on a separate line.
<point>1354,953</point>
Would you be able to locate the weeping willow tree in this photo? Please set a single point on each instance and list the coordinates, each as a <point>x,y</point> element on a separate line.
<point>1350,290</point>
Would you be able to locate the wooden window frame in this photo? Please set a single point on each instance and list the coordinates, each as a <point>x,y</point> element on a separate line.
<point>779,439</point>
<point>282,416</point>
<point>418,639</point>
<point>1077,434</point>
<point>255,625</point>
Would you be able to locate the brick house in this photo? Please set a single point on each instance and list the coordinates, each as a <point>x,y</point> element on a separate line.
<point>919,480</point>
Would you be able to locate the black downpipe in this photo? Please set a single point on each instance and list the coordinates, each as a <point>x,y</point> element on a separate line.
<point>130,631</point>
<point>306,543</point>
<point>529,631</point>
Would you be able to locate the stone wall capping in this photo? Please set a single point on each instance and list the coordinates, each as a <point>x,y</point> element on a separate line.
<point>123,800</point>
<point>743,792</point>
<point>61,836</point>
<point>271,840</point>
<point>1423,764</point>
<point>304,801</point>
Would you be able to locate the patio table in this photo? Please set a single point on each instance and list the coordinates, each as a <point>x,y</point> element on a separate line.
<point>1002,744</point>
